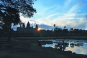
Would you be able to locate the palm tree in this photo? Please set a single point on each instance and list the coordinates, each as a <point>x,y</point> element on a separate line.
<point>55,30</point>
<point>54,26</point>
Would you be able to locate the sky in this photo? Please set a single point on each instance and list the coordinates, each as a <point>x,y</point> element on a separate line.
<point>78,50</point>
<point>69,13</point>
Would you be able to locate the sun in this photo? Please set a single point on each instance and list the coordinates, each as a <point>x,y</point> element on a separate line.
<point>38,29</point>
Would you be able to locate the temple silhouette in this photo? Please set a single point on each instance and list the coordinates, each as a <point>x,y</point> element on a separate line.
<point>30,31</point>
<point>27,29</point>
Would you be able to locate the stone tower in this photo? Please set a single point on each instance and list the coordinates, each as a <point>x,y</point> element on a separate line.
<point>36,27</point>
<point>22,25</point>
<point>28,25</point>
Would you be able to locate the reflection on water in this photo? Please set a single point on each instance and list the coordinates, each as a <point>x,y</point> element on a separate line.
<point>78,49</point>
<point>49,45</point>
<point>76,46</point>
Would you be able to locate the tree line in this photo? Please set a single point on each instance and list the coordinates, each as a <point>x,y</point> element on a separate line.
<point>47,33</point>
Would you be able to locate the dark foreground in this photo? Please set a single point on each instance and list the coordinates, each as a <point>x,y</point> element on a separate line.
<point>23,49</point>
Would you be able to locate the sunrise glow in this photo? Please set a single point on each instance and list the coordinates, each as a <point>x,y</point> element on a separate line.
<point>39,29</point>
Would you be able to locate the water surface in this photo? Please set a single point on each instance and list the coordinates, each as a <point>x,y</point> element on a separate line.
<point>76,46</point>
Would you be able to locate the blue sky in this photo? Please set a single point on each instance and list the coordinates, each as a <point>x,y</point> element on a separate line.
<point>69,13</point>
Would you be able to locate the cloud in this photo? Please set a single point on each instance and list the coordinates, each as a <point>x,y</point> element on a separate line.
<point>78,50</point>
<point>74,9</point>
<point>23,19</point>
<point>43,26</point>
<point>72,20</point>
<point>70,16</point>
<point>81,24</point>
<point>42,11</point>
<point>51,16</point>
<point>67,2</point>
<point>54,9</point>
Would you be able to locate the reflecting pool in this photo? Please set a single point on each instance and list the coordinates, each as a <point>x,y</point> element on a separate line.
<point>76,46</point>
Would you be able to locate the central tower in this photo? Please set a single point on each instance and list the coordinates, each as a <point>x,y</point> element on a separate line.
<point>28,25</point>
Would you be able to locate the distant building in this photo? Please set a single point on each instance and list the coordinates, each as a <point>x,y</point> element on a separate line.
<point>71,29</point>
<point>27,29</point>
<point>36,27</point>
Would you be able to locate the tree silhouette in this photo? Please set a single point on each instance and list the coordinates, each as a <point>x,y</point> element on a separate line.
<point>24,6</point>
<point>64,27</point>
<point>54,25</point>
<point>10,12</point>
<point>10,15</point>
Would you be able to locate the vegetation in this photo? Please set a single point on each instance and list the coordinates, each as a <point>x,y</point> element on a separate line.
<point>10,11</point>
<point>29,49</point>
<point>24,45</point>
<point>58,33</point>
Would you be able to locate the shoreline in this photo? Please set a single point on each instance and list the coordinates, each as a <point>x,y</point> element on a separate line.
<point>39,38</point>
<point>23,49</point>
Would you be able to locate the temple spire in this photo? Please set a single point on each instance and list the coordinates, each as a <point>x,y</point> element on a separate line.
<point>36,27</point>
<point>28,25</point>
